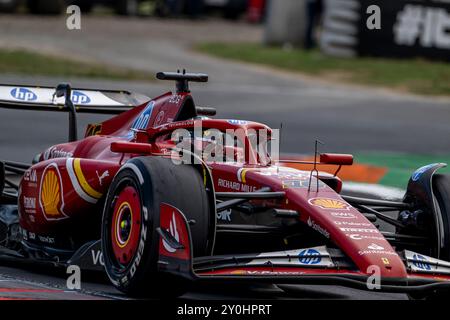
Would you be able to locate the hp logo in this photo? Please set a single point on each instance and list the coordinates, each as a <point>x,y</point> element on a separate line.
<point>79,97</point>
<point>421,262</point>
<point>309,256</point>
<point>23,94</point>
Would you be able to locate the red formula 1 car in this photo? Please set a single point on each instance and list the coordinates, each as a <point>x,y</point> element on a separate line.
<point>156,217</point>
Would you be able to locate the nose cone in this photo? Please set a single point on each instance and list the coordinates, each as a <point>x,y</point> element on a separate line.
<point>350,230</point>
<point>324,211</point>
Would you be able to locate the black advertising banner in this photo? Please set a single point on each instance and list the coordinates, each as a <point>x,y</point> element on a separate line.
<point>409,28</point>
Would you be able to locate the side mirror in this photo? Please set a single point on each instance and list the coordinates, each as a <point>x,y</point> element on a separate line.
<point>205,111</point>
<point>336,159</point>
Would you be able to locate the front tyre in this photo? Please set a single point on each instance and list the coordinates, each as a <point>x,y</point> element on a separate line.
<point>131,215</point>
<point>441,190</point>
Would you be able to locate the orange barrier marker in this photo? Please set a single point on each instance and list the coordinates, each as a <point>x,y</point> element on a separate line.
<point>358,172</point>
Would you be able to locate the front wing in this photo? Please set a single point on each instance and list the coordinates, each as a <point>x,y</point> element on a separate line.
<point>312,266</point>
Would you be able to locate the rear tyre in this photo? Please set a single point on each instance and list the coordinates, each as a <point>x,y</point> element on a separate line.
<point>131,214</point>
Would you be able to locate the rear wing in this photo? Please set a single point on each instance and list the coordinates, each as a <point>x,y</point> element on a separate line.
<point>73,101</point>
<point>84,100</point>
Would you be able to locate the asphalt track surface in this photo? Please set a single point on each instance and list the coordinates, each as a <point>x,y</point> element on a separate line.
<point>21,282</point>
<point>348,119</point>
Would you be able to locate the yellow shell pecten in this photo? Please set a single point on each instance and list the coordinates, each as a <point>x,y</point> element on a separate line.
<point>51,194</point>
<point>330,204</point>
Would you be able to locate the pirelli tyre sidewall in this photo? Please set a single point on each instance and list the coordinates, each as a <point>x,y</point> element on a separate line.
<point>155,180</point>
<point>125,277</point>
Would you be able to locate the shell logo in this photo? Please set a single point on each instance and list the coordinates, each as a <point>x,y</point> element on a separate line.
<point>326,203</point>
<point>51,193</point>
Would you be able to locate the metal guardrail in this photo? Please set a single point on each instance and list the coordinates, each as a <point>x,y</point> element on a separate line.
<point>339,35</point>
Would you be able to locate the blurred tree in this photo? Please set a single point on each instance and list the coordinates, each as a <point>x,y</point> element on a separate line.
<point>168,8</point>
<point>85,5</point>
<point>127,7</point>
<point>46,6</point>
<point>9,6</point>
<point>194,8</point>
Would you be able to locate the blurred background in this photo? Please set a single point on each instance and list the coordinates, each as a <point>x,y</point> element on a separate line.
<point>369,77</point>
<point>231,9</point>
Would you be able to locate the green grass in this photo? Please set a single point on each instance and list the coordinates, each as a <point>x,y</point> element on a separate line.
<point>415,76</point>
<point>401,166</point>
<point>30,63</point>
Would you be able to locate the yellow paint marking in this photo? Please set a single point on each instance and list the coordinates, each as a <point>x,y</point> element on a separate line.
<point>84,184</point>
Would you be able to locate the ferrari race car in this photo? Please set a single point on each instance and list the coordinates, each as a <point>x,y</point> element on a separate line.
<point>152,198</point>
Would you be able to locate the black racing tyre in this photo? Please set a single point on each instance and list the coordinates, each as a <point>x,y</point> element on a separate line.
<point>129,243</point>
<point>47,7</point>
<point>9,6</point>
<point>127,7</point>
<point>441,190</point>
